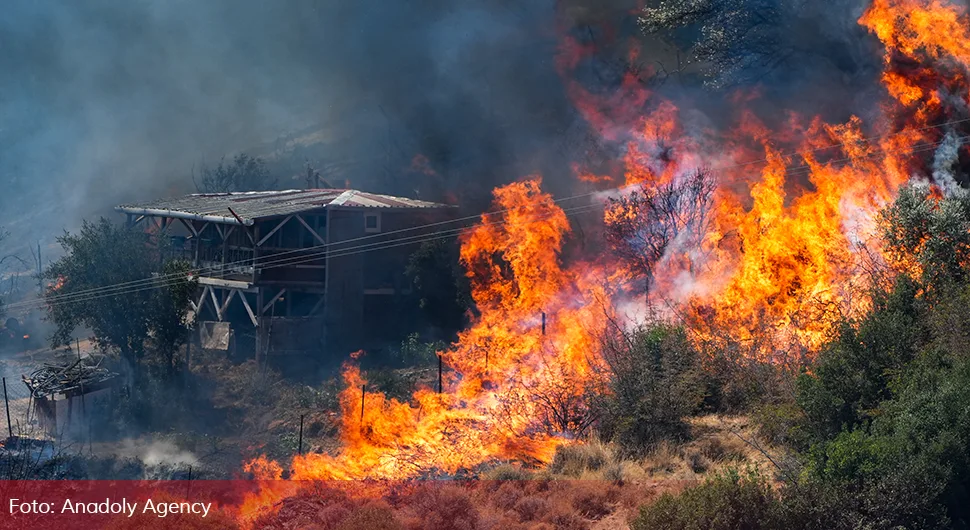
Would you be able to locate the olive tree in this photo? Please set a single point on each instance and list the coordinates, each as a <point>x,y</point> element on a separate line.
<point>113,281</point>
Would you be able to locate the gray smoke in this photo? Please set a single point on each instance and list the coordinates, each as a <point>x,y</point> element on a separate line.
<point>945,163</point>
<point>103,102</point>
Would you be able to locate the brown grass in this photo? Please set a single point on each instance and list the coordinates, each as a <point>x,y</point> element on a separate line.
<point>586,487</point>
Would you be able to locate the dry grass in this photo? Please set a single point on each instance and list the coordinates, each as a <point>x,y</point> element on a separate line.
<point>586,487</point>
<point>581,459</point>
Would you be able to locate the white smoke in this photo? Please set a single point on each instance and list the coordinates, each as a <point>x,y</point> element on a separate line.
<point>166,453</point>
<point>945,163</point>
<point>162,459</point>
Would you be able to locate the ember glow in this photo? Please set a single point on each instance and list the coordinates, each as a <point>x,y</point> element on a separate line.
<point>778,262</point>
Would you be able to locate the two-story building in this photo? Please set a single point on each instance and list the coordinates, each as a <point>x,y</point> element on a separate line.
<point>298,271</point>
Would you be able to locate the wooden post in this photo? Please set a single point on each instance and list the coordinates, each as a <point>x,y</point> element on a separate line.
<point>543,322</point>
<point>439,374</point>
<point>40,272</point>
<point>301,434</point>
<point>6,403</point>
<point>197,239</point>
<point>188,353</point>
<point>84,407</point>
<point>363,394</point>
<point>255,253</point>
<point>260,325</point>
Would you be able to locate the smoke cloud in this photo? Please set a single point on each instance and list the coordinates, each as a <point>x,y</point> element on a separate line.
<point>105,102</point>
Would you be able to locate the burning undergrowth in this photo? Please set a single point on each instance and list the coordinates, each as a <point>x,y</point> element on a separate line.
<point>755,236</point>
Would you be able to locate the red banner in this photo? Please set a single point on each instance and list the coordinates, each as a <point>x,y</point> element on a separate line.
<point>72,504</point>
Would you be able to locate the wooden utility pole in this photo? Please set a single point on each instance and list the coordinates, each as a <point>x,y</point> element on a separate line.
<point>6,403</point>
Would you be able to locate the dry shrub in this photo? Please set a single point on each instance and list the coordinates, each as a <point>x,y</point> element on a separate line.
<point>574,460</point>
<point>531,508</point>
<point>594,500</point>
<point>447,508</point>
<point>663,459</point>
<point>371,516</point>
<point>697,462</point>
<point>567,520</point>
<point>318,505</point>
<point>539,485</point>
<point>501,522</point>
<point>331,516</point>
<point>719,449</point>
<point>507,472</point>
<point>507,495</point>
<point>615,472</point>
<point>631,497</point>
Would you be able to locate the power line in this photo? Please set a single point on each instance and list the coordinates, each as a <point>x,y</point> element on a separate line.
<point>325,245</point>
<point>159,282</point>
<point>302,256</point>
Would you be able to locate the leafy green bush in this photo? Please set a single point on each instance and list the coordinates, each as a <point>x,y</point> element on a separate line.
<point>728,501</point>
<point>910,467</point>
<point>413,352</point>
<point>929,238</point>
<point>782,424</point>
<point>852,374</point>
<point>655,381</point>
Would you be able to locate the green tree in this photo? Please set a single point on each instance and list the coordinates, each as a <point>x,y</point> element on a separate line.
<point>655,380</point>
<point>929,237</point>
<point>852,374</point>
<point>109,281</point>
<point>243,173</point>
<point>439,280</point>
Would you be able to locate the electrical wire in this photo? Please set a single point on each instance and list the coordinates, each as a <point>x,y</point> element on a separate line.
<point>301,255</point>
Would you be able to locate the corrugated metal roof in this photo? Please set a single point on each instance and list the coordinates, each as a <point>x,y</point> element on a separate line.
<point>252,205</point>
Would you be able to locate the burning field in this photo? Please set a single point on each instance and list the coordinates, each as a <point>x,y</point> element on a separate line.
<point>753,236</point>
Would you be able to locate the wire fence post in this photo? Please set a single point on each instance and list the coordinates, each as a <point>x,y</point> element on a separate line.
<point>6,403</point>
<point>363,394</point>
<point>301,434</point>
<point>439,373</point>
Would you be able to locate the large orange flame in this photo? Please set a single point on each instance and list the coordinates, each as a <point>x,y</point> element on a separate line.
<point>531,349</point>
<point>779,261</point>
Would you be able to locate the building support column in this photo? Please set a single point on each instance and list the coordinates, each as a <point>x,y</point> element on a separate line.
<point>260,327</point>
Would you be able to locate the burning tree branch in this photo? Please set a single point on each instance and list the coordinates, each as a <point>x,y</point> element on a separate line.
<point>646,225</point>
